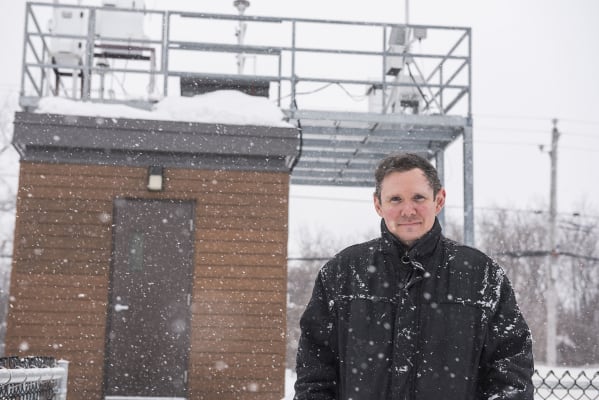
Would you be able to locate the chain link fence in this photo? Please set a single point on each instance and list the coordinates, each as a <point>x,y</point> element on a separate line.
<point>42,378</point>
<point>566,385</point>
<point>32,378</point>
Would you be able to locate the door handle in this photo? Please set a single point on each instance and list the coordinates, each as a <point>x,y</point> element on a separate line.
<point>120,307</point>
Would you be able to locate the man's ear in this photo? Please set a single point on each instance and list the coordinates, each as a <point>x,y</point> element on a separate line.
<point>377,205</point>
<point>440,201</point>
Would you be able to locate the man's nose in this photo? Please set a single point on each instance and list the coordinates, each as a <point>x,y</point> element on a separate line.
<point>408,210</point>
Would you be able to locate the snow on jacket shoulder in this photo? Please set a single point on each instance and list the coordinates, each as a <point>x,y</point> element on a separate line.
<point>437,321</point>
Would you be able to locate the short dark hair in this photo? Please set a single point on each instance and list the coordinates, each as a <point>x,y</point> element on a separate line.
<point>406,162</point>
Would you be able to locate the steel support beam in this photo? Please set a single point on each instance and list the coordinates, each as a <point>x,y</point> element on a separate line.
<point>440,165</point>
<point>468,186</point>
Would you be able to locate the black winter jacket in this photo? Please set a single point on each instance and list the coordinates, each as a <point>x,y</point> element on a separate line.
<point>437,321</point>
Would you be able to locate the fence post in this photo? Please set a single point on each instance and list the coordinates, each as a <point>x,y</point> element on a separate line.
<point>61,393</point>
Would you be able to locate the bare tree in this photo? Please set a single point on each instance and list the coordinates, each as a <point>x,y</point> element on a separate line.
<point>579,266</point>
<point>506,236</point>
<point>315,248</point>
<point>519,241</point>
<point>7,204</point>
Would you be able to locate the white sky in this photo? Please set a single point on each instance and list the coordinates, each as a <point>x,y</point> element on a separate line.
<point>533,61</point>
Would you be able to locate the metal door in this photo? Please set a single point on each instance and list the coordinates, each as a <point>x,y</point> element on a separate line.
<point>148,332</point>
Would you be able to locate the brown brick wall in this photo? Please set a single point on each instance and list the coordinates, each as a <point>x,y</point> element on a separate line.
<point>60,276</point>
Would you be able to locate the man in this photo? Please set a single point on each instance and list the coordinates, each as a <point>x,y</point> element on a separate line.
<point>412,315</point>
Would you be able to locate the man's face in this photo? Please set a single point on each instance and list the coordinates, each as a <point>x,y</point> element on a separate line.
<point>408,205</point>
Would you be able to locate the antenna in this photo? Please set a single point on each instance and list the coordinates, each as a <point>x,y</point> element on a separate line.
<point>241,6</point>
<point>408,32</point>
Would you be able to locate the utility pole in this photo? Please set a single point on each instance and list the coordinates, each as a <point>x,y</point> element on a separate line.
<point>551,292</point>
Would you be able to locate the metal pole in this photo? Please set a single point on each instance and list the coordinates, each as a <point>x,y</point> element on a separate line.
<point>62,388</point>
<point>441,106</point>
<point>384,80</point>
<point>468,185</point>
<point>469,73</point>
<point>28,11</point>
<point>89,57</point>
<point>241,7</point>
<point>440,166</point>
<point>166,18</point>
<point>280,81</point>
<point>293,77</point>
<point>468,151</point>
<point>551,294</point>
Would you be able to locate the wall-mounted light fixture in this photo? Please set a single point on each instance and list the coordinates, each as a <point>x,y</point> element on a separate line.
<point>155,178</point>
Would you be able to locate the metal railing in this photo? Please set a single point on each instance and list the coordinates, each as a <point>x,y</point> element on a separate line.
<point>33,378</point>
<point>299,57</point>
<point>566,385</point>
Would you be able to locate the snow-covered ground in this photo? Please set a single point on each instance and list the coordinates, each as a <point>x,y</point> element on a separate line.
<point>289,382</point>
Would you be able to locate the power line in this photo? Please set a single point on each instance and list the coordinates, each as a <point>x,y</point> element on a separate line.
<point>524,144</point>
<point>580,121</point>
<point>534,118</point>
<point>509,130</point>
<point>536,131</point>
<point>504,116</point>
<point>592,136</point>
<point>512,254</point>
<point>586,149</point>
<point>530,210</point>
<point>544,253</point>
<point>495,142</point>
<point>482,208</point>
<point>354,97</point>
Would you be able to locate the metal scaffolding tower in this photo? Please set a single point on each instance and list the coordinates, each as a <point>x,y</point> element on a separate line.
<point>413,82</point>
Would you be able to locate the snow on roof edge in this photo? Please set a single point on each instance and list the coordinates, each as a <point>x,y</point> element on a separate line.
<point>223,106</point>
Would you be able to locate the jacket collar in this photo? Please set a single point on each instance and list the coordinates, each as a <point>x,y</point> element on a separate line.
<point>422,247</point>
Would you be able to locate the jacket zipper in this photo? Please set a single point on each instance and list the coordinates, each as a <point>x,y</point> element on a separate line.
<point>411,282</point>
<point>406,259</point>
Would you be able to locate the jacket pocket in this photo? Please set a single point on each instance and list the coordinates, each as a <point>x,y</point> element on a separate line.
<point>457,323</point>
<point>461,318</point>
<point>454,333</point>
<point>366,342</point>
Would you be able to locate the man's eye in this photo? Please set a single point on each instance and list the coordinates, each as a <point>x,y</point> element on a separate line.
<point>419,198</point>
<point>394,199</point>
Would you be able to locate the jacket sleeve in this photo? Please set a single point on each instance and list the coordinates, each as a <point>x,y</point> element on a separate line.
<point>506,366</point>
<point>316,360</point>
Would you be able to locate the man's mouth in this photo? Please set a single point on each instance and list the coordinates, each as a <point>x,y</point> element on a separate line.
<point>409,223</point>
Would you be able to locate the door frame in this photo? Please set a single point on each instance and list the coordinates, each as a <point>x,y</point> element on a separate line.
<point>110,306</point>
